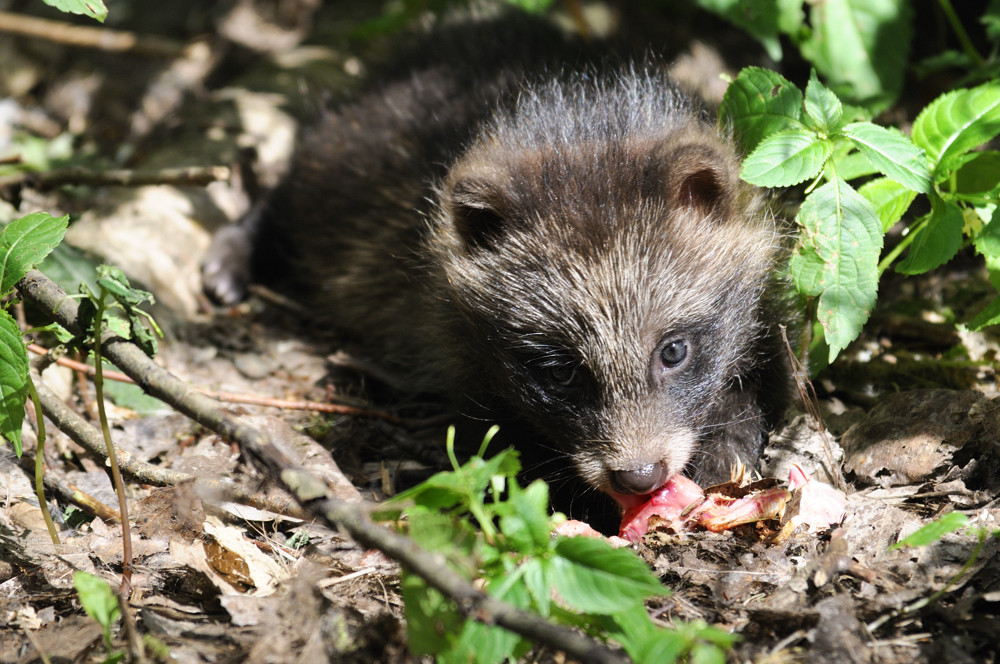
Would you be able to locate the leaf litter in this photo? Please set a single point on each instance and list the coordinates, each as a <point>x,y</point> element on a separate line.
<point>219,582</point>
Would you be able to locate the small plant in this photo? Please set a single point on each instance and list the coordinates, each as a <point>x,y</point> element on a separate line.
<point>99,601</point>
<point>95,9</point>
<point>837,262</point>
<point>24,242</point>
<point>492,530</point>
<point>933,532</point>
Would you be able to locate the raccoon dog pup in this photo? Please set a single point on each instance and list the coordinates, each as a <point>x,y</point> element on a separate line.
<point>566,248</point>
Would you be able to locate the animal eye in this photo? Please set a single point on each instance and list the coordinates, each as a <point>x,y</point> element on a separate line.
<point>673,353</point>
<point>564,375</point>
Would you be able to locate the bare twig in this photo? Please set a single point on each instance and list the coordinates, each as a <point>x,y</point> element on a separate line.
<point>251,399</point>
<point>191,176</point>
<point>102,39</point>
<point>314,494</point>
<point>91,440</point>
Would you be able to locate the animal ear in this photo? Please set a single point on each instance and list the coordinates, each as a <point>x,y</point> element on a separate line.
<point>703,179</point>
<point>476,210</point>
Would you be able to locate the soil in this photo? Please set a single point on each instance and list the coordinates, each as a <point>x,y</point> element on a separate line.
<point>910,413</point>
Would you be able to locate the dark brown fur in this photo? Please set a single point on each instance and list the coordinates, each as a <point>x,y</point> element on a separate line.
<point>530,249</point>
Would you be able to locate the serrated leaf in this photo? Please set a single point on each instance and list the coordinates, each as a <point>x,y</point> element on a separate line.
<point>524,517</point>
<point>537,581</point>
<point>786,159</point>
<point>893,154</point>
<point>432,622</point>
<point>860,46</point>
<point>25,242</point>
<point>987,241</point>
<point>979,175</point>
<point>488,643</point>
<point>837,260</point>
<point>593,577</point>
<point>759,18</point>
<point>850,166</point>
<point>957,122</point>
<point>93,8</point>
<point>990,315</point>
<point>937,242</point>
<point>117,284</point>
<point>758,104</point>
<point>480,644</point>
<point>991,20</point>
<point>890,199</point>
<point>13,380</point>
<point>934,530</point>
<point>446,489</point>
<point>69,267</point>
<point>822,106</point>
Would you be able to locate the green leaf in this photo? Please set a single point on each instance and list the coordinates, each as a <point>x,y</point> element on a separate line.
<point>987,242</point>
<point>890,199</point>
<point>893,154</point>
<point>640,638</point>
<point>860,46</point>
<point>938,241</point>
<point>837,260</point>
<point>758,104</point>
<point>979,175</point>
<point>957,122</point>
<point>532,6</point>
<point>786,159</point>
<point>990,315</point>
<point>480,644</point>
<point>707,653</point>
<point>93,8</point>
<point>991,20</point>
<point>24,243</point>
<point>486,644</point>
<point>97,598</point>
<point>127,395</point>
<point>450,488</point>
<point>934,530</point>
<point>822,106</point>
<point>593,577</point>
<point>436,531</point>
<point>69,267</point>
<point>13,380</point>
<point>848,165</point>
<point>538,582</point>
<point>524,517</point>
<point>759,18</point>
<point>117,284</point>
<point>432,622</point>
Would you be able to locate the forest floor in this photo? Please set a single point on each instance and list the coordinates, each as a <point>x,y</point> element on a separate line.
<point>911,411</point>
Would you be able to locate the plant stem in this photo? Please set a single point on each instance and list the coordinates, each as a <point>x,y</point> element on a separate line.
<point>40,464</point>
<point>983,535</point>
<point>116,475</point>
<point>963,36</point>
<point>884,264</point>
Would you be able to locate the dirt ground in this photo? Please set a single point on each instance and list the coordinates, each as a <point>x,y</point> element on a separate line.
<point>911,410</point>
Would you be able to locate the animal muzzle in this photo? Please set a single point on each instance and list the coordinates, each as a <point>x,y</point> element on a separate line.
<point>640,480</point>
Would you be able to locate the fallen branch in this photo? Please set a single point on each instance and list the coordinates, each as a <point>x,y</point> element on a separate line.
<point>191,176</point>
<point>89,438</point>
<point>250,399</point>
<point>103,39</point>
<point>312,493</point>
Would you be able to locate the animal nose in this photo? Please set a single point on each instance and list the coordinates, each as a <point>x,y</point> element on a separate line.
<point>644,479</point>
